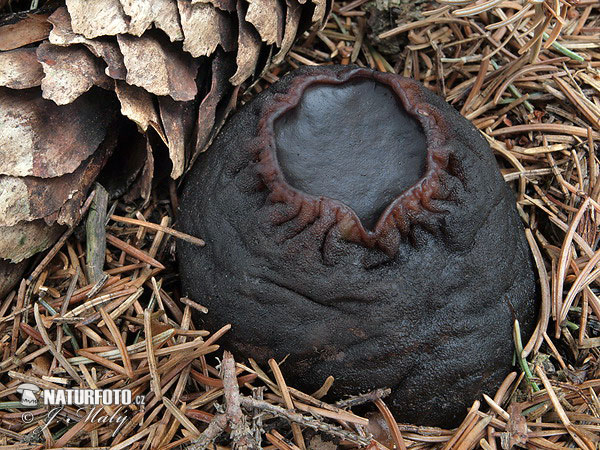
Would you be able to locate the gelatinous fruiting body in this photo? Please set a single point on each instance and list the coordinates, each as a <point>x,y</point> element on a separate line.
<point>358,225</point>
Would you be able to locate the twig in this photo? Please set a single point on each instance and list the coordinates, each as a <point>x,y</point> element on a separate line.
<point>96,235</point>
<point>363,398</point>
<point>214,429</point>
<point>249,403</point>
<point>240,432</point>
<point>156,227</point>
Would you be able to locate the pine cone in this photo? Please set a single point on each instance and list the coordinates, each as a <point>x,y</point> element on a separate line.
<point>174,67</point>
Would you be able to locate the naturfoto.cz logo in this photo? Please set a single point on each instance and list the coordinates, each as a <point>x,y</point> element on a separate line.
<point>91,405</point>
<point>87,397</point>
<point>32,395</point>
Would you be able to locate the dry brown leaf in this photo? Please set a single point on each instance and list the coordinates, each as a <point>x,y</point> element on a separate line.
<point>222,69</point>
<point>267,18</point>
<point>69,72</point>
<point>40,139</point>
<point>20,69</point>
<point>137,105</point>
<point>82,178</point>
<point>33,28</point>
<point>154,64</point>
<point>110,53</point>
<point>143,13</point>
<point>178,120</point>
<point>320,11</point>
<point>248,48</point>
<point>97,18</point>
<point>292,20</point>
<point>205,27</point>
<point>25,239</point>
<point>52,199</point>
<point>62,34</point>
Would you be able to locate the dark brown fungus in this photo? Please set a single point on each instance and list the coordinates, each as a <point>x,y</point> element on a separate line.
<point>357,223</point>
<point>340,157</point>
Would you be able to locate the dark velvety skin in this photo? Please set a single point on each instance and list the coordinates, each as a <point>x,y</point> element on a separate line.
<point>416,296</point>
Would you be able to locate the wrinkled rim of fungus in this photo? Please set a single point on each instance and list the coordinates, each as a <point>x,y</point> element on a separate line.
<point>405,210</point>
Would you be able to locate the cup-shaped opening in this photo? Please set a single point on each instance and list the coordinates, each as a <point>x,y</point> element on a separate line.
<point>353,142</point>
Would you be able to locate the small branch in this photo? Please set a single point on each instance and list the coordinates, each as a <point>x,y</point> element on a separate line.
<point>240,432</point>
<point>258,393</point>
<point>364,398</point>
<point>96,235</point>
<point>249,403</point>
<point>156,227</point>
<point>214,429</point>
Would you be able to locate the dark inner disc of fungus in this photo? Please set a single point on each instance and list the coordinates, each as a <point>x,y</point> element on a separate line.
<point>354,143</point>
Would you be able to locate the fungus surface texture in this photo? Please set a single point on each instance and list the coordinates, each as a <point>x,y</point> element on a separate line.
<point>357,224</point>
